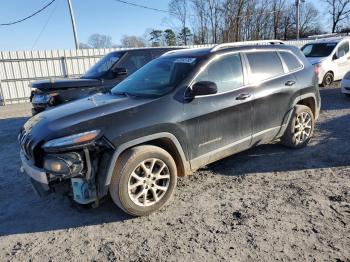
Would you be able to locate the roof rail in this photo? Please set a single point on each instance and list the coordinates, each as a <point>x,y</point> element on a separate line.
<point>257,42</point>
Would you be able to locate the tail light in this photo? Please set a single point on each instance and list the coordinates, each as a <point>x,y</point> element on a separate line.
<point>317,69</point>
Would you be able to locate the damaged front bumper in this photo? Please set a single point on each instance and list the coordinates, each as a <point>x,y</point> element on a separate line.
<point>38,177</point>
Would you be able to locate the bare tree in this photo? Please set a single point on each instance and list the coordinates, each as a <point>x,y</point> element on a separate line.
<point>179,9</point>
<point>100,41</point>
<point>132,41</point>
<point>339,10</point>
<point>308,18</point>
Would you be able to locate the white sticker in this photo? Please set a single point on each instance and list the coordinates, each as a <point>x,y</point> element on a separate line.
<point>185,60</point>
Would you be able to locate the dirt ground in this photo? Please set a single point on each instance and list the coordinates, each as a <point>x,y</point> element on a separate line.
<point>269,203</point>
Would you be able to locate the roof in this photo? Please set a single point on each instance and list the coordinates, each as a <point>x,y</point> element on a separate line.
<point>328,40</point>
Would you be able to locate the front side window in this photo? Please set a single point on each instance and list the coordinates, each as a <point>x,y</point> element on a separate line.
<point>344,48</point>
<point>158,77</point>
<point>291,61</point>
<point>319,49</point>
<point>102,67</point>
<point>264,65</point>
<point>226,72</point>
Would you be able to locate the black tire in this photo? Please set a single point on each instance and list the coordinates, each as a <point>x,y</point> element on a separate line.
<point>290,137</point>
<point>328,79</point>
<point>128,163</point>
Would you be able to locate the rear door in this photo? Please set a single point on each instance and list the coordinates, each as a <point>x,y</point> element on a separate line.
<point>217,122</point>
<point>274,92</point>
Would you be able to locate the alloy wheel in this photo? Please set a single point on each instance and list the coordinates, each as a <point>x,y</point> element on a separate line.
<point>149,182</point>
<point>302,127</point>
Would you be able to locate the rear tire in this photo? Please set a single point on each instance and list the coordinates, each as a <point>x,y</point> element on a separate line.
<point>328,79</point>
<point>144,180</point>
<point>300,128</point>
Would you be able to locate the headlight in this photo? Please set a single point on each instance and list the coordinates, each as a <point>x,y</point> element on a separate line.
<point>64,164</point>
<point>78,139</point>
<point>44,98</point>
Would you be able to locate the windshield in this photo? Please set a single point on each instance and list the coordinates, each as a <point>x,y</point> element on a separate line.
<point>99,69</point>
<point>157,77</point>
<point>318,50</point>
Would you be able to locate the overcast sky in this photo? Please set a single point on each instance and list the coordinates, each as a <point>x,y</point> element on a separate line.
<point>51,29</point>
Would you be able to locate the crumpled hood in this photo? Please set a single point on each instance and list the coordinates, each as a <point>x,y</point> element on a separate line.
<point>55,84</point>
<point>315,60</point>
<point>95,112</point>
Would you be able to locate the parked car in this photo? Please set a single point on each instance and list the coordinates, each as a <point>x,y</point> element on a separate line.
<point>331,58</point>
<point>181,111</point>
<point>105,74</point>
<point>345,84</point>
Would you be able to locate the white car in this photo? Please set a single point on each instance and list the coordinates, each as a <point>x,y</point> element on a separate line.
<point>331,58</point>
<point>345,84</point>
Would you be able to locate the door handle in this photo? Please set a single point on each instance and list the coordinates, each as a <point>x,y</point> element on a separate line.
<point>243,96</point>
<point>290,83</point>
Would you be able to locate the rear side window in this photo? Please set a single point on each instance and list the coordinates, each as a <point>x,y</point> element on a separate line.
<point>226,72</point>
<point>264,65</point>
<point>291,61</point>
<point>135,60</point>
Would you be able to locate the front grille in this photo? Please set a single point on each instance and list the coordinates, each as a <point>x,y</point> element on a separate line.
<point>26,145</point>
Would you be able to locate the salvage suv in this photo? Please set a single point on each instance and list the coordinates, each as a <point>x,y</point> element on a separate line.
<point>181,111</point>
<point>101,77</point>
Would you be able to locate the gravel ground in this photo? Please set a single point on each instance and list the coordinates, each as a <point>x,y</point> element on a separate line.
<point>268,203</point>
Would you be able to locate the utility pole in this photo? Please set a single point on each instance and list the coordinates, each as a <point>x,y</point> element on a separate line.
<point>297,4</point>
<point>76,40</point>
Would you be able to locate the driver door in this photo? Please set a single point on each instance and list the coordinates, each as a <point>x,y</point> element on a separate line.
<point>221,124</point>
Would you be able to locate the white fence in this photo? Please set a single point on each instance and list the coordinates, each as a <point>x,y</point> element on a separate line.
<point>18,69</point>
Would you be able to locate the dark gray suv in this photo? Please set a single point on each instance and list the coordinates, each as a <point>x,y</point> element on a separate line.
<point>181,111</point>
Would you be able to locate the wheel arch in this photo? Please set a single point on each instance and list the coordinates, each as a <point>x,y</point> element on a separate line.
<point>166,141</point>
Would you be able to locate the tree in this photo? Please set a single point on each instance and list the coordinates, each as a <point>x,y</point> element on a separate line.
<point>169,37</point>
<point>132,41</point>
<point>156,37</point>
<point>184,36</point>
<point>84,46</point>
<point>100,41</point>
<point>339,10</point>
<point>308,19</point>
<point>179,9</point>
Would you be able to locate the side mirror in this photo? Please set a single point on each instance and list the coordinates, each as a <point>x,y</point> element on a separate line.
<point>203,88</point>
<point>120,71</point>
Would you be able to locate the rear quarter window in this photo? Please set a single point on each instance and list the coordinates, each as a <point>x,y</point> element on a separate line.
<point>264,65</point>
<point>291,61</point>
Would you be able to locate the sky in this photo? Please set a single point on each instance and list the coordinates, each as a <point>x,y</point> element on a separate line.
<point>52,29</point>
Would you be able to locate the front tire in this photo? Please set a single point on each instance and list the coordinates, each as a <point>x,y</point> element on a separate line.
<point>144,180</point>
<point>300,128</point>
<point>328,79</point>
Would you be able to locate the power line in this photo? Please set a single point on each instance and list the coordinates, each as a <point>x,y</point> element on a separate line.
<point>142,6</point>
<point>44,27</point>
<point>168,12</point>
<point>30,16</point>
